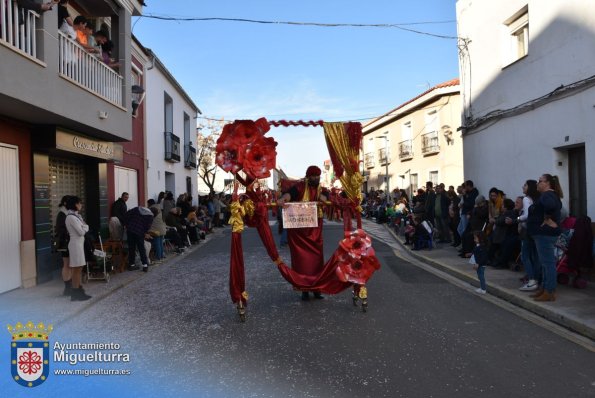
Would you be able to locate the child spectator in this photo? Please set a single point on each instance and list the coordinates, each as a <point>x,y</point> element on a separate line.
<point>421,236</point>
<point>480,257</point>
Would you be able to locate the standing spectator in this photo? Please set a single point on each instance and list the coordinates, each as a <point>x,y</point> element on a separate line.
<point>77,229</point>
<point>119,207</point>
<point>429,202</point>
<point>157,231</point>
<point>441,216</point>
<point>168,204</point>
<point>62,238</point>
<point>507,224</point>
<point>477,222</point>
<point>185,205</point>
<point>138,221</point>
<point>160,198</point>
<point>543,225</point>
<point>480,257</point>
<point>80,26</point>
<point>528,250</point>
<point>467,205</point>
<point>35,6</point>
<point>454,212</point>
<point>211,209</point>
<point>396,195</point>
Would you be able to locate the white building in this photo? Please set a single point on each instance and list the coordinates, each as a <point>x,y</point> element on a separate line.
<point>527,83</point>
<point>416,142</point>
<point>170,133</point>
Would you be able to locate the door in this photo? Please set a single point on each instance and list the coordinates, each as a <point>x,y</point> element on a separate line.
<point>67,177</point>
<point>170,182</point>
<point>577,182</point>
<point>126,180</point>
<point>10,227</point>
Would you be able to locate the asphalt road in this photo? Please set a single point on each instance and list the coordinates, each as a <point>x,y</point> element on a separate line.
<point>421,336</point>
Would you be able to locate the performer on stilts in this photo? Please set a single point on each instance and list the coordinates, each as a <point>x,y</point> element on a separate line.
<point>305,244</point>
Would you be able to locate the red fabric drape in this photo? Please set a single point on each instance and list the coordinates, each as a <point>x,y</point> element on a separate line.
<point>237,282</point>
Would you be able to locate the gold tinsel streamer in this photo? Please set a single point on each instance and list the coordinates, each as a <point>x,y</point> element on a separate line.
<point>237,214</point>
<point>351,179</point>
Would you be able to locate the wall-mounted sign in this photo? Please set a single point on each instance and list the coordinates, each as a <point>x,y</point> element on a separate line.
<point>87,146</point>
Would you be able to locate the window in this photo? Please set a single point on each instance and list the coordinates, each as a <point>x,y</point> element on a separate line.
<point>434,177</point>
<point>414,184</point>
<point>431,121</point>
<point>406,131</point>
<point>187,139</point>
<point>517,36</point>
<point>168,109</point>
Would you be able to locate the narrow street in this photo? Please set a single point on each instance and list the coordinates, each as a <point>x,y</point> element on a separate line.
<point>421,336</point>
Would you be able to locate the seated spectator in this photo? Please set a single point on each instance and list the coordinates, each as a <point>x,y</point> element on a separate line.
<point>174,220</point>
<point>193,226</point>
<point>202,215</point>
<point>421,236</point>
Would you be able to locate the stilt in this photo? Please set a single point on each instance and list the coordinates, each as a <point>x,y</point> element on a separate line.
<point>241,311</point>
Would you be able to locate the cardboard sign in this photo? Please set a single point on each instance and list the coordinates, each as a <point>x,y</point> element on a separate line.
<point>300,215</point>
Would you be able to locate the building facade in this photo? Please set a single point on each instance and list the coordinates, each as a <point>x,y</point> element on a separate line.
<point>415,142</point>
<point>170,133</point>
<point>62,114</point>
<point>527,84</point>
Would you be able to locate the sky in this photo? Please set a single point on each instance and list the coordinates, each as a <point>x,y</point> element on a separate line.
<point>239,70</point>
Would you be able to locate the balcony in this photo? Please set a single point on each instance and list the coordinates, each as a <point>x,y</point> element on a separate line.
<point>172,147</point>
<point>383,157</point>
<point>429,143</point>
<point>189,156</point>
<point>406,150</point>
<point>369,160</point>
<point>88,71</point>
<point>18,28</point>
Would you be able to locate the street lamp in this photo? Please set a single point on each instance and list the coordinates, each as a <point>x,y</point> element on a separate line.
<point>388,195</point>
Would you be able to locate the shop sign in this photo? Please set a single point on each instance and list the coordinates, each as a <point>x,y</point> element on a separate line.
<point>86,146</point>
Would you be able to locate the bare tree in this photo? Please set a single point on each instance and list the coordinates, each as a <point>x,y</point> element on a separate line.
<point>208,133</point>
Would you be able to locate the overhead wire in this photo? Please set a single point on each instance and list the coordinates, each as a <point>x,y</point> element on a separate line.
<point>401,26</point>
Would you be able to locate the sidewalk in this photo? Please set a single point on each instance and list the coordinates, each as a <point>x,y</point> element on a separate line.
<point>573,308</point>
<point>45,302</point>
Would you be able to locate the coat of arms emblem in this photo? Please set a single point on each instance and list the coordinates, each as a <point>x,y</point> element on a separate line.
<point>29,353</point>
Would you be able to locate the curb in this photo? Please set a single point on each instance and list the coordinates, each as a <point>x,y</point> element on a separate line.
<point>500,292</point>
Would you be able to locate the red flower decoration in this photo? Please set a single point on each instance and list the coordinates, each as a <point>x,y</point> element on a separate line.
<point>357,244</point>
<point>358,261</point>
<point>260,158</point>
<point>242,145</point>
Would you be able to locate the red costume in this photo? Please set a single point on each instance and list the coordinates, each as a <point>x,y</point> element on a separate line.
<point>305,244</point>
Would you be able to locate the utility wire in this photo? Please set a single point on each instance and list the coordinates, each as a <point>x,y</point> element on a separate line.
<point>401,26</point>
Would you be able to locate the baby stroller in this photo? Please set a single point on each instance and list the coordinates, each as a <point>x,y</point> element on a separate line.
<point>576,250</point>
<point>97,259</point>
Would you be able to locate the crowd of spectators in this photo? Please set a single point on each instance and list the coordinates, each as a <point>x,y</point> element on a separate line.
<point>530,231</point>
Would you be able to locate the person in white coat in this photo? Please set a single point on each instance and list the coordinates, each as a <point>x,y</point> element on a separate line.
<point>77,228</point>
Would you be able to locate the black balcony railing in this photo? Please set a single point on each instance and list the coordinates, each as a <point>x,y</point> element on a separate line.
<point>189,156</point>
<point>405,149</point>
<point>383,156</point>
<point>369,160</point>
<point>429,143</point>
<point>172,147</point>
